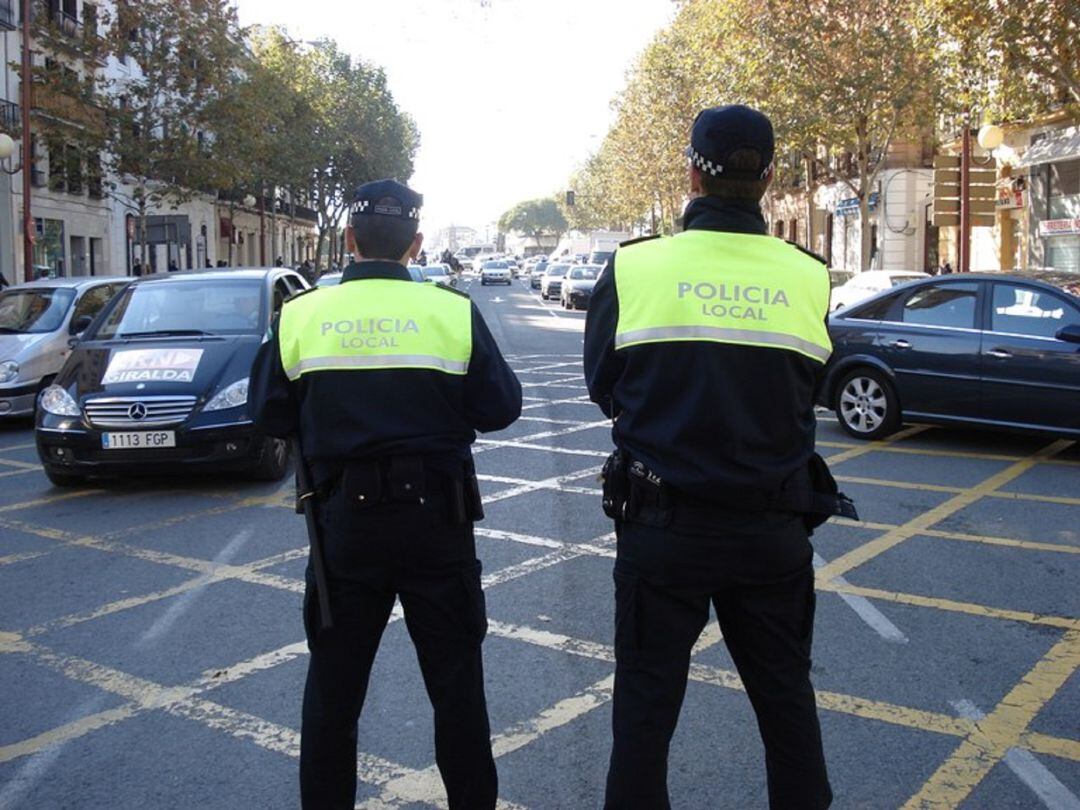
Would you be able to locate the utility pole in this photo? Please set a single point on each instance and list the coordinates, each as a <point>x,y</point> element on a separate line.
<point>262,225</point>
<point>965,196</point>
<point>27,162</point>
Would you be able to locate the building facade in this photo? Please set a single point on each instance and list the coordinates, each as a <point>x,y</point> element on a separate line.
<point>1037,210</point>
<point>826,218</point>
<point>85,222</point>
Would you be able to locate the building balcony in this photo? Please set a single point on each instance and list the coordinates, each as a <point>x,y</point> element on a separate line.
<point>10,119</point>
<point>9,17</point>
<point>67,109</point>
<point>66,24</point>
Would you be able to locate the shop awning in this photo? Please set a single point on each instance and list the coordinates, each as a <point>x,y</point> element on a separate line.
<point>1064,145</point>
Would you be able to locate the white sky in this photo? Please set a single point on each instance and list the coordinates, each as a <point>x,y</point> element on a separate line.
<point>510,96</point>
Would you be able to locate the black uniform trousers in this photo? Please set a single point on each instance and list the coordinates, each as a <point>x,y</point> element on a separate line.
<point>755,570</point>
<point>412,552</point>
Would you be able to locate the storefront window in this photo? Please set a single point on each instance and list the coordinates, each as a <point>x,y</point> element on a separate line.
<point>49,247</point>
<point>1063,203</point>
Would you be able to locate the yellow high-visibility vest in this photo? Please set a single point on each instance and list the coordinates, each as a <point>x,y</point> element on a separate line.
<point>376,324</point>
<point>720,287</point>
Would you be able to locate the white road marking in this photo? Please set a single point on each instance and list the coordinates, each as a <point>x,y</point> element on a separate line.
<point>866,610</point>
<point>1026,767</point>
<point>38,766</point>
<point>547,483</point>
<point>568,451</point>
<point>178,608</point>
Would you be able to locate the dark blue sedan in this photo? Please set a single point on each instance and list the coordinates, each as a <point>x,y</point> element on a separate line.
<point>990,350</point>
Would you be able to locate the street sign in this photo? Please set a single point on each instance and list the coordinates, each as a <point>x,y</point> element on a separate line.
<point>946,161</point>
<point>983,206</point>
<point>946,220</point>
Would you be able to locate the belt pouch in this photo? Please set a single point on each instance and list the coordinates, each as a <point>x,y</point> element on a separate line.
<point>361,484</point>
<point>405,477</point>
<point>474,504</point>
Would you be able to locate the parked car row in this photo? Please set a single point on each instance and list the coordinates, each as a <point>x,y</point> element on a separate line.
<point>151,375</point>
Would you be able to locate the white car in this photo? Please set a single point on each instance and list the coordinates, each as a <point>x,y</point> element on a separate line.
<point>551,281</point>
<point>440,274</point>
<point>863,285</point>
<point>495,272</point>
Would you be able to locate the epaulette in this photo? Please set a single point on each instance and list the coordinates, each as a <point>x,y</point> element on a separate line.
<point>808,252</point>
<point>453,290</point>
<point>629,242</point>
<point>296,295</point>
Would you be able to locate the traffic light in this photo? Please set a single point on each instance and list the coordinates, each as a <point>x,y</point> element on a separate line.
<point>570,199</point>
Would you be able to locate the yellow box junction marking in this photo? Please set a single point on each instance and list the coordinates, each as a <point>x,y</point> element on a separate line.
<point>1002,729</point>
<point>919,524</point>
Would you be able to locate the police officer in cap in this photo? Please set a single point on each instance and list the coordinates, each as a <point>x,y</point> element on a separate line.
<point>705,348</point>
<point>386,381</point>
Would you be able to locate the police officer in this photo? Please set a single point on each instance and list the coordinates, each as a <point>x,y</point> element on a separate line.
<point>386,381</point>
<point>705,349</point>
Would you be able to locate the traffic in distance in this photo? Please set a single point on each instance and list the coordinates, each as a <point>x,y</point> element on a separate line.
<point>128,377</point>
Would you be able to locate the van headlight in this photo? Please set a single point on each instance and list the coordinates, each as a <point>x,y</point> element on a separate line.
<point>232,396</point>
<point>9,370</point>
<point>56,400</point>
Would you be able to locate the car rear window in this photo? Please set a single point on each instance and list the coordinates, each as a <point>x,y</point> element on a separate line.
<point>874,311</point>
<point>34,310</point>
<point>947,305</point>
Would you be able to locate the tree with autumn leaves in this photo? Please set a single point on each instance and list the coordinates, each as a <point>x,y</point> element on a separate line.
<point>836,77</point>
<point>205,107</point>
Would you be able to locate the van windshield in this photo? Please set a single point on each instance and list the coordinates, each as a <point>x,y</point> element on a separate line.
<point>34,311</point>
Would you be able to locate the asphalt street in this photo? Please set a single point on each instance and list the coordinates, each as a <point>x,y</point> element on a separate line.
<point>152,653</point>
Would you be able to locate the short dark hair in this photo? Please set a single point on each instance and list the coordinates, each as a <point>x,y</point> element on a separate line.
<point>726,188</point>
<point>383,237</point>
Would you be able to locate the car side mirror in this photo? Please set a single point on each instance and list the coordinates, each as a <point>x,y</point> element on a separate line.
<point>79,325</point>
<point>1070,333</point>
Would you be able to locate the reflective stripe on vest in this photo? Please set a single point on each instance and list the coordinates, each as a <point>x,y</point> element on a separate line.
<point>725,288</point>
<point>376,324</point>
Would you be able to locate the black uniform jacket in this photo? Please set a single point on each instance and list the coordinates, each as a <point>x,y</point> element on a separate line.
<point>350,415</point>
<point>714,420</point>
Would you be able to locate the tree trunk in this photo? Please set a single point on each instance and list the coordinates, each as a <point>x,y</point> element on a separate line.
<point>865,231</point>
<point>142,233</point>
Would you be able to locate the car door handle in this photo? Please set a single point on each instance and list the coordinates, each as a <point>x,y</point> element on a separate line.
<point>1000,353</point>
<point>901,344</point>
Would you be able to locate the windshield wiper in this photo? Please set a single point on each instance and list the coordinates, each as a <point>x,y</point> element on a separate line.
<point>166,333</point>
<point>8,330</point>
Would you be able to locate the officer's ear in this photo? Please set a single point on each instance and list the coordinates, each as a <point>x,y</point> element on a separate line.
<point>414,248</point>
<point>695,181</point>
<point>350,240</point>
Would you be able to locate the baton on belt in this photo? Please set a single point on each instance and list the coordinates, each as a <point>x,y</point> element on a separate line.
<point>306,496</point>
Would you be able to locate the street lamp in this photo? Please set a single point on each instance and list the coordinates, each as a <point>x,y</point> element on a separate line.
<point>990,137</point>
<point>7,149</point>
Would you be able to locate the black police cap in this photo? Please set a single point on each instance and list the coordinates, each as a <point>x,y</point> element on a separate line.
<point>386,198</point>
<point>720,131</point>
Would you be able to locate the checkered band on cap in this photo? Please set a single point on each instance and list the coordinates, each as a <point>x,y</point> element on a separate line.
<point>702,163</point>
<point>368,207</point>
<point>715,169</point>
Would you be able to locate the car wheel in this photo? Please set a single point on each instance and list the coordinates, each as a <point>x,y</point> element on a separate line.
<point>273,460</point>
<point>62,479</point>
<point>866,405</point>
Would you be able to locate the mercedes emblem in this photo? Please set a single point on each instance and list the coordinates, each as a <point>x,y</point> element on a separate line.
<point>137,412</point>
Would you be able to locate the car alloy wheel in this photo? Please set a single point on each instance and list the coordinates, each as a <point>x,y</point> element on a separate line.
<point>866,405</point>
